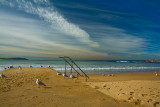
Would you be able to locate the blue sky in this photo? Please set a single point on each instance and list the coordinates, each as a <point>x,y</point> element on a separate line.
<point>82,29</point>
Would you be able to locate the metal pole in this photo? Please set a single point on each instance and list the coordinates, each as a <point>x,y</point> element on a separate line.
<point>77,66</point>
<point>71,68</point>
<point>65,67</point>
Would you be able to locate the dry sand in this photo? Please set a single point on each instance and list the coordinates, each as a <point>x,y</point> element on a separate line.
<point>19,89</point>
<point>138,89</point>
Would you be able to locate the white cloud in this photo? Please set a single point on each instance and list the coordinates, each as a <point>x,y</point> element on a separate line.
<point>46,11</point>
<point>118,41</point>
<point>28,36</point>
<point>43,53</point>
<point>21,36</point>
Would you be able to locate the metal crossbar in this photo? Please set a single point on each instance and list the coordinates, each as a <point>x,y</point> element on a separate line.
<point>72,67</point>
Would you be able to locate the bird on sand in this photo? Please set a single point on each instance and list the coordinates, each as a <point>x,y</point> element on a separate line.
<point>58,73</point>
<point>72,76</point>
<point>156,73</point>
<point>2,75</point>
<point>20,68</point>
<point>38,82</point>
<point>65,75</point>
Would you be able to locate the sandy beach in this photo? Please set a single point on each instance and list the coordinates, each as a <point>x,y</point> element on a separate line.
<point>19,89</point>
<point>137,89</point>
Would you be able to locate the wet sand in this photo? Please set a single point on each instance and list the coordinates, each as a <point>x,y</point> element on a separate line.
<point>19,89</point>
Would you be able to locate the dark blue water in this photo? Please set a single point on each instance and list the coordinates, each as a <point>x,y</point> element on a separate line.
<point>90,67</point>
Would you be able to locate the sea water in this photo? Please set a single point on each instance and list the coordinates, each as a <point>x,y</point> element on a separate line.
<point>90,67</point>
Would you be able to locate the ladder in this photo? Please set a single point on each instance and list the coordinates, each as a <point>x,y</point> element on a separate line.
<point>66,58</point>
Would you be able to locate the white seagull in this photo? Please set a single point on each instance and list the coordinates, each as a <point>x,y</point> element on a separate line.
<point>72,76</point>
<point>65,75</point>
<point>20,68</point>
<point>2,75</point>
<point>156,73</point>
<point>38,82</point>
<point>58,73</point>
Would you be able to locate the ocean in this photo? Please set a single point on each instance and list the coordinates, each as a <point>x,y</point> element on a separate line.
<point>89,67</point>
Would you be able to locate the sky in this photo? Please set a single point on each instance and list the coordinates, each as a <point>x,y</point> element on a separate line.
<point>81,29</point>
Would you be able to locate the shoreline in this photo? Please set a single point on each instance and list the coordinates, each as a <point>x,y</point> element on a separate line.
<point>114,91</point>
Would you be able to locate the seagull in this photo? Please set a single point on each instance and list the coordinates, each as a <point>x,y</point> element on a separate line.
<point>64,75</point>
<point>2,75</point>
<point>20,68</point>
<point>156,73</point>
<point>38,82</point>
<point>72,76</point>
<point>110,74</point>
<point>11,66</point>
<point>104,74</point>
<point>58,73</point>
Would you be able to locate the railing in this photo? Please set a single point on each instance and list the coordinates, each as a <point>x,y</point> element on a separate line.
<point>66,58</point>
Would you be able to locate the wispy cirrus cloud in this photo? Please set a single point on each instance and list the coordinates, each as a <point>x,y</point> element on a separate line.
<point>46,11</point>
<point>79,28</point>
<point>23,36</point>
<point>116,40</point>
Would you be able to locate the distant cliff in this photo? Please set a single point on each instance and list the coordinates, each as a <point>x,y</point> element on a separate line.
<point>150,61</point>
<point>13,59</point>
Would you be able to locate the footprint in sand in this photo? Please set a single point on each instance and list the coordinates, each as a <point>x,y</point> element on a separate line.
<point>131,93</point>
<point>150,100</point>
<point>131,100</point>
<point>35,97</point>
<point>138,102</point>
<point>144,95</point>
<point>152,94</point>
<point>155,104</point>
<point>104,86</point>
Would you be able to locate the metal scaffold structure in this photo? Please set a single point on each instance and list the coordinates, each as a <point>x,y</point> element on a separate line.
<point>71,63</point>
